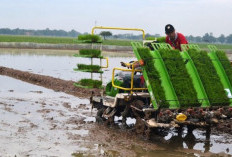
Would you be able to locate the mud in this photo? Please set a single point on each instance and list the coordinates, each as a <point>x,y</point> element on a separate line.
<point>52,124</point>
<point>224,126</point>
<point>49,133</point>
<point>49,123</point>
<point>60,85</point>
<point>56,84</point>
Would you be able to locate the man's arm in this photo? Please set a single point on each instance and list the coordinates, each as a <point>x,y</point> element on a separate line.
<point>182,38</point>
<point>136,64</point>
<point>169,42</point>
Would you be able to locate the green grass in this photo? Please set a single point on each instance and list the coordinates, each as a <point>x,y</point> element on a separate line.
<point>154,77</point>
<point>57,40</point>
<point>70,40</point>
<point>209,77</point>
<point>37,39</point>
<point>180,78</point>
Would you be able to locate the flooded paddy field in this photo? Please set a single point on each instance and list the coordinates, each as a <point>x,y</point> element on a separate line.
<point>59,65</point>
<point>36,121</point>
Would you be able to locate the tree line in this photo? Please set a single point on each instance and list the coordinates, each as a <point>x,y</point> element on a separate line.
<point>207,38</point>
<point>45,32</point>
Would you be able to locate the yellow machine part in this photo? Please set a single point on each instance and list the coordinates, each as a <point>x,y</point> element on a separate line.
<point>181,117</point>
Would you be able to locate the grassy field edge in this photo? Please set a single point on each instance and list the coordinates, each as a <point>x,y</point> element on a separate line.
<point>71,40</point>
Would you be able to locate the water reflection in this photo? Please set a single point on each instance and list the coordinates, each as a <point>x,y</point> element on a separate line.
<point>197,140</point>
<point>58,66</point>
<point>58,52</point>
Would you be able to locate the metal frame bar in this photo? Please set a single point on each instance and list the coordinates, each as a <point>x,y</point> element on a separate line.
<point>133,70</point>
<point>107,62</point>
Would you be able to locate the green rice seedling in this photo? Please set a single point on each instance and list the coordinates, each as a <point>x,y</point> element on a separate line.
<point>93,68</point>
<point>161,39</point>
<point>90,38</point>
<point>158,39</point>
<point>90,52</point>
<point>209,77</point>
<point>150,38</point>
<point>226,64</point>
<point>114,91</point>
<point>90,83</point>
<point>181,81</point>
<point>153,76</point>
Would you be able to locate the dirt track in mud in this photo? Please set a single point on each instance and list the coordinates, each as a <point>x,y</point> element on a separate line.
<point>48,82</point>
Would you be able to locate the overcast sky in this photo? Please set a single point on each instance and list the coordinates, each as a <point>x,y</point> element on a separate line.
<point>194,17</point>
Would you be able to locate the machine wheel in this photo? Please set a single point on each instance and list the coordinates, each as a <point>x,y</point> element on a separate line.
<point>148,133</point>
<point>109,121</point>
<point>190,128</point>
<point>125,114</point>
<point>99,117</point>
<point>140,126</point>
<point>138,104</point>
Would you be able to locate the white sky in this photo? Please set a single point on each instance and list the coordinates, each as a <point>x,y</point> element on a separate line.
<point>194,17</point>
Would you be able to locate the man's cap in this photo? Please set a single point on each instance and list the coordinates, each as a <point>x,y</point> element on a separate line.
<point>169,28</point>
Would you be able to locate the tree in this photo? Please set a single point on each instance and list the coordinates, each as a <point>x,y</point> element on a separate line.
<point>105,34</point>
<point>221,39</point>
<point>229,39</point>
<point>198,39</point>
<point>209,38</point>
<point>116,36</point>
<point>190,38</point>
<point>206,37</point>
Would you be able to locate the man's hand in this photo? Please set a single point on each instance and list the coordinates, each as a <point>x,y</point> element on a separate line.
<point>128,65</point>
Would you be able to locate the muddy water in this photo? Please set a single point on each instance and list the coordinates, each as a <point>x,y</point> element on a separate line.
<point>36,121</point>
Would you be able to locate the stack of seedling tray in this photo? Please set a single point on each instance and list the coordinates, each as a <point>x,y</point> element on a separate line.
<point>154,77</point>
<point>92,54</point>
<point>89,38</point>
<point>225,63</point>
<point>181,81</point>
<point>209,76</point>
<point>192,78</point>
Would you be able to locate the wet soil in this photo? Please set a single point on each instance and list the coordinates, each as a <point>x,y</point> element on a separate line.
<point>224,126</point>
<point>36,121</point>
<point>49,82</point>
